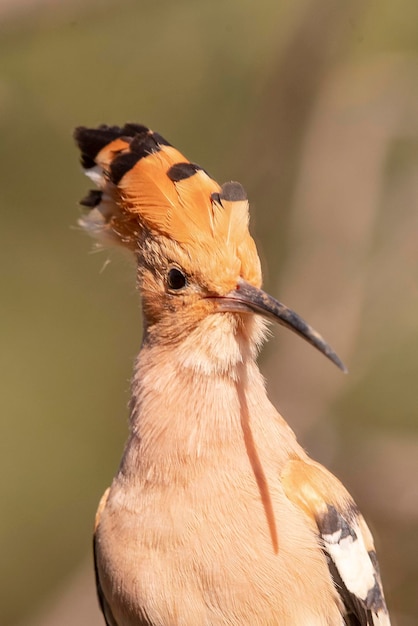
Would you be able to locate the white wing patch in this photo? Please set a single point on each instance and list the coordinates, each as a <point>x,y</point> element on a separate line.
<point>356,565</point>
<point>345,538</point>
<point>347,550</point>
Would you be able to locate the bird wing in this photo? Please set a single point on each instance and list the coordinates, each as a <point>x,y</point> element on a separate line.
<point>107,613</point>
<point>345,539</point>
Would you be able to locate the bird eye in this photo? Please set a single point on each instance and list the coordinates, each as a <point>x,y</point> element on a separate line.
<point>176,279</point>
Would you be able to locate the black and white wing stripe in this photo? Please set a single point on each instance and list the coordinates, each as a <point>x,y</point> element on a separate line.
<point>353,566</point>
<point>345,539</point>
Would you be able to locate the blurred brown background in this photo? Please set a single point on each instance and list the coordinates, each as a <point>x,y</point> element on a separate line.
<point>313,106</point>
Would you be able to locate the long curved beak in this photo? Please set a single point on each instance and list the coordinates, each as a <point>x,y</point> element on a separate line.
<point>248,299</point>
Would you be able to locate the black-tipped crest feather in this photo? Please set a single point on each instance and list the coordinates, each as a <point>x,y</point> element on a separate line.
<point>92,140</point>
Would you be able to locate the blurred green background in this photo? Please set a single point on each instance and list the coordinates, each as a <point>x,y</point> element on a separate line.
<point>313,106</point>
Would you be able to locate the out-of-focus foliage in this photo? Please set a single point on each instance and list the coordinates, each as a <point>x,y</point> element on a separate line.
<point>313,106</point>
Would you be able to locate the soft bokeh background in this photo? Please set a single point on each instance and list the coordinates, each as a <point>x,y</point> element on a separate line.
<point>313,105</point>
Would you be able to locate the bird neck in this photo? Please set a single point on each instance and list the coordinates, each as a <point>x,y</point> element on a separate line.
<point>188,398</point>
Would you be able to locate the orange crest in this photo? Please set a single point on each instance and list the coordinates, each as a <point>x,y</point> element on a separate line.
<point>144,182</point>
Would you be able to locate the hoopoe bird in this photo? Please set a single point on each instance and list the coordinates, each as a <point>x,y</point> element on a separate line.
<point>216,516</point>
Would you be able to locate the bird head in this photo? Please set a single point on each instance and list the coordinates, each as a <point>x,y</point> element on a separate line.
<point>196,257</point>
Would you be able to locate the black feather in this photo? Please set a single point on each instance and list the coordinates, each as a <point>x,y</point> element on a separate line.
<point>93,198</point>
<point>92,140</point>
<point>180,171</point>
<point>122,164</point>
<point>233,192</point>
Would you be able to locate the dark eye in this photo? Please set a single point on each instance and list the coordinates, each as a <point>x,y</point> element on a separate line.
<point>176,279</point>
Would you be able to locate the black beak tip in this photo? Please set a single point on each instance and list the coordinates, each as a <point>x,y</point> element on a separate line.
<point>335,359</point>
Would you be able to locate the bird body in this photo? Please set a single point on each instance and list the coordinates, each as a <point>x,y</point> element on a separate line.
<point>176,488</point>
<point>216,515</point>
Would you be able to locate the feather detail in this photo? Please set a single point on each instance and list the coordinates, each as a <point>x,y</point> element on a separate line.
<point>144,182</point>
<point>181,210</point>
<point>235,215</point>
<point>345,538</point>
<point>231,222</point>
